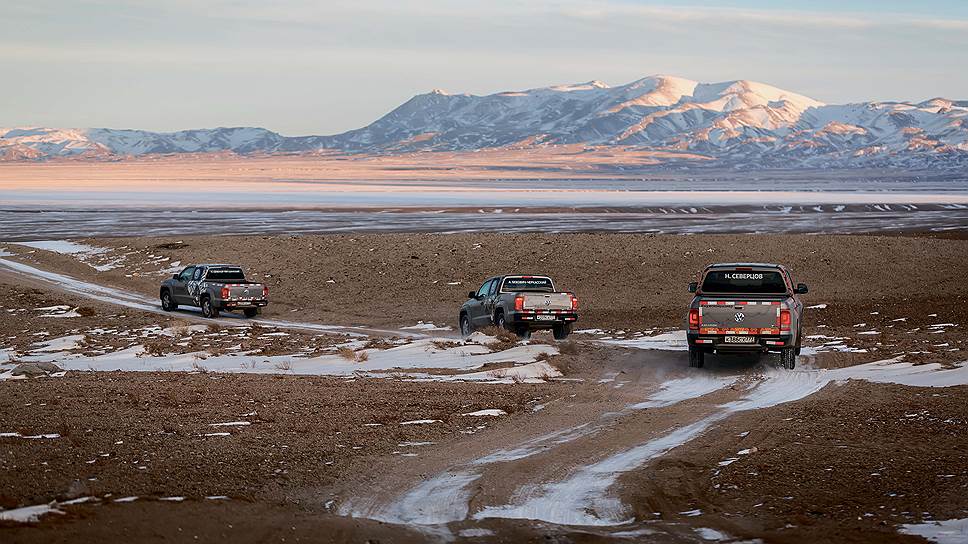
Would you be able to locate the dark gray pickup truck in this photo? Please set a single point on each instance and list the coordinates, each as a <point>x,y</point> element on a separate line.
<point>745,308</point>
<point>521,304</point>
<point>213,288</point>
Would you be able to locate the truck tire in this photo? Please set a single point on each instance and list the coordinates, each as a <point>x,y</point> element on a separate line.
<point>167,303</point>
<point>208,309</point>
<point>499,321</point>
<point>524,333</point>
<point>696,357</point>
<point>465,326</point>
<point>250,312</point>
<point>788,358</point>
<point>562,331</point>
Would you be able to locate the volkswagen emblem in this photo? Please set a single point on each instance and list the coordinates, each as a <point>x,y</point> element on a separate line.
<point>245,293</point>
<point>739,317</point>
<point>547,302</point>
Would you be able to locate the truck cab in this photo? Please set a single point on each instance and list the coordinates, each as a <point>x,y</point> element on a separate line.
<point>520,303</point>
<point>745,308</point>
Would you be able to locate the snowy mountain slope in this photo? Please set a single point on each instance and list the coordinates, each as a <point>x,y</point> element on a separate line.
<point>735,123</point>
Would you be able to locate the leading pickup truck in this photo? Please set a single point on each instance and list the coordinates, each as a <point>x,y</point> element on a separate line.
<point>745,308</point>
<point>214,288</point>
<point>521,304</point>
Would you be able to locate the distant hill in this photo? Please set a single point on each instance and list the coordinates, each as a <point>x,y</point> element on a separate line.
<point>739,124</point>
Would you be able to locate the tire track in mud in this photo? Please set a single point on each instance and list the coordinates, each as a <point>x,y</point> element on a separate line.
<point>128,299</point>
<point>571,477</point>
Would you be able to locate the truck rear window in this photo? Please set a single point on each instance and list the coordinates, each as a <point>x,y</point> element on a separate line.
<point>225,274</point>
<point>541,285</point>
<point>745,281</point>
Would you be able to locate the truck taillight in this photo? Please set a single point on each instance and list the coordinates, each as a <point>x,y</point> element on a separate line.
<point>785,319</point>
<point>694,318</point>
<point>265,292</point>
<point>574,302</point>
<point>518,303</point>
<point>225,292</point>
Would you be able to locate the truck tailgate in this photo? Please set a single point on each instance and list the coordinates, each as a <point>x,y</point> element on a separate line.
<point>547,301</point>
<point>244,291</point>
<point>733,314</point>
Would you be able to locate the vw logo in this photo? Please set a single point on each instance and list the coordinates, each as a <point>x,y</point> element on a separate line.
<point>547,303</point>
<point>245,293</point>
<point>739,317</point>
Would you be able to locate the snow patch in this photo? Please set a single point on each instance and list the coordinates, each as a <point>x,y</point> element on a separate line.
<point>952,531</point>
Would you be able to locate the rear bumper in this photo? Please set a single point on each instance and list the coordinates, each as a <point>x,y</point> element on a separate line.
<point>242,304</point>
<point>760,342</point>
<point>539,319</point>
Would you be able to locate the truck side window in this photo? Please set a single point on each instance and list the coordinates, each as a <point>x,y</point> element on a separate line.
<point>186,274</point>
<point>493,289</point>
<point>485,288</point>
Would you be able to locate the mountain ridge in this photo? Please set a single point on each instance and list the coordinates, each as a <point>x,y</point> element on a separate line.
<point>739,123</point>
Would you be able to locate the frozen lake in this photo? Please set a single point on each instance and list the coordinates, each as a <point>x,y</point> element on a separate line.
<point>672,206</point>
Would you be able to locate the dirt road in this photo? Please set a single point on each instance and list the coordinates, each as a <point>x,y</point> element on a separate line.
<point>627,443</point>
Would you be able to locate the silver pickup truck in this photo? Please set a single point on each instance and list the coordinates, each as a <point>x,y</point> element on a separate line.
<point>745,308</point>
<point>519,303</point>
<point>213,288</point>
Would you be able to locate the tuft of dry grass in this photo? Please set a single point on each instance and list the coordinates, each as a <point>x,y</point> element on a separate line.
<point>379,343</point>
<point>156,347</point>
<point>362,356</point>
<point>347,353</point>
<point>86,311</point>
<point>569,347</point>
<point>446,344</point>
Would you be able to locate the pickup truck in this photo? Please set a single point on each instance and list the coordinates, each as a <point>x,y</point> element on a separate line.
<point>521,304</point>
<point>213,288</point>
<point>745,308</point>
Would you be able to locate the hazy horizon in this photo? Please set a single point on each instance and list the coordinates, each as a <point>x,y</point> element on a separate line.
<point>298,68</point>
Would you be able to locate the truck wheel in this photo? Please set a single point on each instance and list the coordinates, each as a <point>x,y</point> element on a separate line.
<point>167,304</point>
<point>465,326</point>
<point>209,309</point>
<point>562,331</point>
<point>788,358</point>
<point>250,312</point>
<point>500,322</point>
<point>696,357</point>
<point>523,333</point>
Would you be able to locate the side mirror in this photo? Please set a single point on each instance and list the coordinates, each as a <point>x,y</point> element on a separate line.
<point>174,276</point>
<point>693,286</point>
<point>802,289</point>
<point>472,294</point>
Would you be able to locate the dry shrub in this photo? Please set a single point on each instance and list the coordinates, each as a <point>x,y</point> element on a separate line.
<point>362,356</point>
<point>379,343</point>
<point>505,339</point>
<point>347,353</point>
<point>446,344</point>
<point>86,311</point>
<point>156,347</point>
<point>569,347</point>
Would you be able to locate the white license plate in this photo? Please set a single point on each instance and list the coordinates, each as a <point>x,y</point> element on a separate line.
<point>740,339</point>
<point>545,317</point>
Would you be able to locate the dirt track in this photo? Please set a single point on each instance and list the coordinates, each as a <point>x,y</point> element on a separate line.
<point>556,431</point>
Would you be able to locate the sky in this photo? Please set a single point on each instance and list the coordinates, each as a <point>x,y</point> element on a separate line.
<point>314,67</point>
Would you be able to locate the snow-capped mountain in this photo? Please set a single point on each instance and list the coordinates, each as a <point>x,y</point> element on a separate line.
<point>736,123</point>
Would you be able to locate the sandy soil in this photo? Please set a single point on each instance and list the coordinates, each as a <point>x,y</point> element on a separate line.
<point>828,451</point>
<point>894,286</point>
<point>845,465</point>
<point>553,162</point>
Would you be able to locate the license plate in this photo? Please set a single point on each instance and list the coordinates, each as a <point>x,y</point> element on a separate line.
<point>740,339</point>
<point>544,317</point>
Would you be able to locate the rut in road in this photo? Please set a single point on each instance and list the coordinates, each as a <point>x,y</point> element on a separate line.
<point>128,299</point>
<point>570,477</point>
